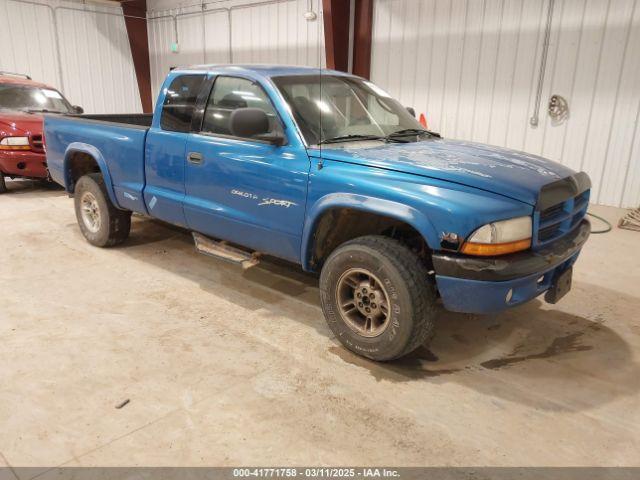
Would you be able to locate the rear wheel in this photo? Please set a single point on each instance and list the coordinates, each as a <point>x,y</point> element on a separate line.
<point>377,298</point>
<point>3,185</point>
<point>101,223</point>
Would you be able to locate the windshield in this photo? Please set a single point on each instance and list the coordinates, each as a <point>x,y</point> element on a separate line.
<point>343,107</point>
<point>35,99</point>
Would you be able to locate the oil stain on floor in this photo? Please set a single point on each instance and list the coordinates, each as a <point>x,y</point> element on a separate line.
<point>566,344</point>
<point>410,367</point>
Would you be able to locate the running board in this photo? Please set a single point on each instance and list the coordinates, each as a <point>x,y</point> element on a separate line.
<point>221,249</point>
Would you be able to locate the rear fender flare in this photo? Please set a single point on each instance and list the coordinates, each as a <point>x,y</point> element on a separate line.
<point>388,208</point>
<point>78,147</point>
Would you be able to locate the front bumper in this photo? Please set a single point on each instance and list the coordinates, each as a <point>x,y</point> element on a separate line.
<point>480,285</point>
<point>23,164</point>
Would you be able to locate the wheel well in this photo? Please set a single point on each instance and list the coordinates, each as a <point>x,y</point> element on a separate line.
<point>340,225</point>
<point>80,164</point>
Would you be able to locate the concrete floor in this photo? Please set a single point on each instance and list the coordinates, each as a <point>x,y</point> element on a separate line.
<point>225,367</point>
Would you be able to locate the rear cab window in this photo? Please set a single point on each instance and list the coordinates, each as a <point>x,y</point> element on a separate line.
<point>180,102</point>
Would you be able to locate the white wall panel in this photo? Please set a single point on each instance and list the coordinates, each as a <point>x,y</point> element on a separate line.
<point>93,66</point>
<point>276,33</point>
<point>216,36</point>
<point>472,65</point>
<point>233,31</point>
<point>165,28</point>
<point>27,36</point>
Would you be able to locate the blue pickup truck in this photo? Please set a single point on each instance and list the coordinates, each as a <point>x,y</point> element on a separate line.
<point>327,170</point>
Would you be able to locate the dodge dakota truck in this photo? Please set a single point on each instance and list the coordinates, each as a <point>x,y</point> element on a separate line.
<point>22,102</point>
<point>327,170</point>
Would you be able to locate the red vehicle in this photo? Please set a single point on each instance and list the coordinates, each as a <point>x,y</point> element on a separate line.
<point>22,103</point>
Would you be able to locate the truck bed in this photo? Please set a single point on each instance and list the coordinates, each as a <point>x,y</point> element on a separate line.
<point>117,142</point>
<point>139,119</point>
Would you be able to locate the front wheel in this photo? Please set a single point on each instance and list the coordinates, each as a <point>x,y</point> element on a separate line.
<point>101,223</point>
<point>377,298</point>
<point>3,185</point>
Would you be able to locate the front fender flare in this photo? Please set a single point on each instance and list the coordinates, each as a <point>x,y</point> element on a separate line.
<point>388,208</point>
<point>79,147</point>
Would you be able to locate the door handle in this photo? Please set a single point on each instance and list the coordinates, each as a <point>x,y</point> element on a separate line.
<point>195,157</point>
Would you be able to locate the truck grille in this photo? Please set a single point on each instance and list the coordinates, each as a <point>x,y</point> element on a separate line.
<point>37,143</point>
<point>557,220</point>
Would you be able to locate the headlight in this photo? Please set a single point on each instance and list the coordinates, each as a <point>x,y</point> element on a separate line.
<point>500,238</point>
<point>15,143</point>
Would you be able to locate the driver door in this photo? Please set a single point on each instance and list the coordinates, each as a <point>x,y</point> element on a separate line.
<point>244,190</point>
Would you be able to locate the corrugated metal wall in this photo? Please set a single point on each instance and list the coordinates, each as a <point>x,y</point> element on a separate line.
<point>235,31</point>
<point>472,67</point>
<point>94,67</point>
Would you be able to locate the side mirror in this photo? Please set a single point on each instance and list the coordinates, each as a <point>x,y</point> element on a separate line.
<point>412,111</point>
<point>253,123</point>
<point>78,109</point>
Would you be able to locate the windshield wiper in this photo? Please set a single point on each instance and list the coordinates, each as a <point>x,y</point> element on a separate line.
<point>412,131</point>
<point>349,138</point>
<point>41,110</point>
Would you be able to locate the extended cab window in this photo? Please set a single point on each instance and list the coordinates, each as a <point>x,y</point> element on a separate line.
<point>180,102</point>
<point>231,93</point>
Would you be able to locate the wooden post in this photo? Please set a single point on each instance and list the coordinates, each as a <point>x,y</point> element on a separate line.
<point>139,43</point>
<point>336,33</point>
<point>362,34</point>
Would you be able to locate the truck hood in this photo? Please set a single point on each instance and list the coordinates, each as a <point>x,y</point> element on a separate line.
<point>20,122</point>
<point>517,175</point>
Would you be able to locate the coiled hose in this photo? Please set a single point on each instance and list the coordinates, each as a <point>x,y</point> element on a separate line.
<point>608,225</point>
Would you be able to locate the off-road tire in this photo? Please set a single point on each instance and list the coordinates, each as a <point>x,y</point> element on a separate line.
<point>411,293</point>
<point>3,185</point>
<point>114,225</point>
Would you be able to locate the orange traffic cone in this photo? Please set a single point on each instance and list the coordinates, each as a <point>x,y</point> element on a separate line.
<point>423,121</point>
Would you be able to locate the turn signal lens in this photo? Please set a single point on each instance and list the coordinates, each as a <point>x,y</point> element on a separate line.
<point>492,249</point>
<point>15,143</point>
<point>500,238</point>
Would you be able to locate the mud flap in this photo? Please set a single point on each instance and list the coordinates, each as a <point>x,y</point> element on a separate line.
<point>560,286</point>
